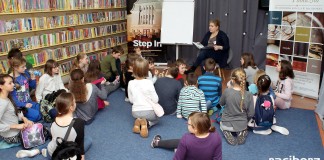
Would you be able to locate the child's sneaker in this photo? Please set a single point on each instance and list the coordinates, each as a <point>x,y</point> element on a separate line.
<point>241,136</point>
<point>126,99</point>
<point>155,141</point>
<point>27,153</point>
<point>230,138</point>
<point>263,132</point>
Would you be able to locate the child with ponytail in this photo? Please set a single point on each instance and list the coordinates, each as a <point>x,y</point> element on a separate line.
<point>21,96</point>
<point>200,132</point>
<point>86,95</point>
<point>65,106</point>
<point>238,109</point>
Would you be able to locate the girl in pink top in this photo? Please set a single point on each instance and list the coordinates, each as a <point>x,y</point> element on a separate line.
<point>284,87</point>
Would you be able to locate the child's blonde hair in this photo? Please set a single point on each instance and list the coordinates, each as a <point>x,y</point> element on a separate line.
<point>76,61</point>
<point>141,68</point>
<point>239,78</point>
<point>258,74</point>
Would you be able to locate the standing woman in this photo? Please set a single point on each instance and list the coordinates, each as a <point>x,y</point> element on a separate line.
<point>218,42</point>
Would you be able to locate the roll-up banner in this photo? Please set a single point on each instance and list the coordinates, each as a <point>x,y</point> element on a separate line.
<point>296,34</point>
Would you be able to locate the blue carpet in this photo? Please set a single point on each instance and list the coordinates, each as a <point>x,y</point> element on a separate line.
<point>113,139</point>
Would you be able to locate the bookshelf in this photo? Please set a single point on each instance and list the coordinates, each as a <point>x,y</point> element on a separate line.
<point>60,29</point>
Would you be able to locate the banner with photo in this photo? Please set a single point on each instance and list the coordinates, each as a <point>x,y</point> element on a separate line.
<point>296,34</point>
<point>144,28</point>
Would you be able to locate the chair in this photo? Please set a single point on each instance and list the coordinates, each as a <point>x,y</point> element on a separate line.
<point>221,70</point>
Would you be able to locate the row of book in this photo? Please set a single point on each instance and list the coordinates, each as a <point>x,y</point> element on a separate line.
<point>62,53</point>
<point>37,23</point>
<point>73,50</point>
<point>17,6</point>
<point>69,35</point>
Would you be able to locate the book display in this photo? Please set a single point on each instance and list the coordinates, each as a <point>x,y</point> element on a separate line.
<point>60,29</point>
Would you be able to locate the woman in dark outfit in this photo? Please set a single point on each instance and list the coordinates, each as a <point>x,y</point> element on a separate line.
<point>217,46</point>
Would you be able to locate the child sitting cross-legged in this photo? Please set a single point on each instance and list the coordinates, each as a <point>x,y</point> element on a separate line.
<point>191,99</point>
<point>211,85</point>
<point>168,90</point>
<point>86,95</point>
<point>94,76</point>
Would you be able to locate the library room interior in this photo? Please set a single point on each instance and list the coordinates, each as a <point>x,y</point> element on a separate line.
<point>162,79</point>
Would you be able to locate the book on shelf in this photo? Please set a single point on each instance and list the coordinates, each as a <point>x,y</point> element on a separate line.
<point>4,66</point>
<point>56,38</point>
<point>70,51</point>
<point>38,23</point>
<point>16,6</point>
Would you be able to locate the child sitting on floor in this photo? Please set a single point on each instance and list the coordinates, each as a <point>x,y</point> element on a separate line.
<point>152,74</point>
<point>181,64</point>
<point>211,85</point>
<point>141,93</point>
<point>238,111</point>
<point>94,76</point>
<point>21,96</point>
<point>128,72</point>
<point>200,132</point>
<point>168,90</point>
<point>191,99</point>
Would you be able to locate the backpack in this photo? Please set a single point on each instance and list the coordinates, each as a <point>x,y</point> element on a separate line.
<point>48,103</point>
<point>67,149</point>
<point>33,136</point>
<point>45,107</point>
<point>264,112</point>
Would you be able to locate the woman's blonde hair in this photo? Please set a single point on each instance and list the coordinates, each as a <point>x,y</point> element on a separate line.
<point>215,22</point>
<point>239,77</point>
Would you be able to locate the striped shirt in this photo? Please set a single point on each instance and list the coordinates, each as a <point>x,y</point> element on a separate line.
<point>211,85</point>
<point>191,99</point>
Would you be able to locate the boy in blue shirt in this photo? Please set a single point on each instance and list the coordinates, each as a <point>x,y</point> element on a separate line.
<point>211,85</point>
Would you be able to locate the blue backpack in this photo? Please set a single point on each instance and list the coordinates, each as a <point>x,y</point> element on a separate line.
<point>264,112</point>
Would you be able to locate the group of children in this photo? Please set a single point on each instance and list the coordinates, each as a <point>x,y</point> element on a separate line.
<point>190,98</point>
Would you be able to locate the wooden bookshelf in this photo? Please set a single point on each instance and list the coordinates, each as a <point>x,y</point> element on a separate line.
<point>102,17</point>
<point>70,42</point>
<point>60,11</point>
<point>34,32</point>
<point>68,58</point>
